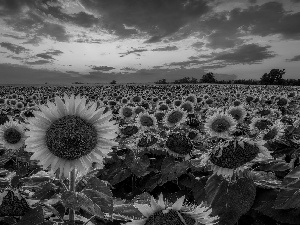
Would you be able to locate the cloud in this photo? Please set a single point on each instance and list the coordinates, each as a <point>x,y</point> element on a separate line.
<point>38,62</point>
<point>72,72</point>
<point>167,48</point>
<point>13,48</point>
<point>246,54</point>
<point>133,51</point>
<point>103,68</point>
<point>33,41</point>
<point>198,44</point>
<point>49,54</point>
<point>227,29</point>
<point>158,18</point>
<point>44,56</point>
<point>252,1</point>
<point>17,74</point>
<point>186,63</point>
<point>294,59</point>
<point>295,1</point>
<point>13,36</point>
<point>55,31</point>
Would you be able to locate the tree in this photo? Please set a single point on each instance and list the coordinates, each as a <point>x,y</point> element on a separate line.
<point>113,82</point>
<point>162,81</point>
<point>208,78</point>
<point>273,77</point>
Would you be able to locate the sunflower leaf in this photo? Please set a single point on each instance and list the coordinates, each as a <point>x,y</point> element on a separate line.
<point>273,165</point>
<point>87,205</point>
<point>230,200</point>
<point>46,191</point>
<point>288,199</point>
<point>172,169</point>
<point>99,192</point>
<point>126,211</point>
<point>34,216</point>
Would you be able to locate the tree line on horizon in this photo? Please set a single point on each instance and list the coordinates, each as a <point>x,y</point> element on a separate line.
<point>274,77</point>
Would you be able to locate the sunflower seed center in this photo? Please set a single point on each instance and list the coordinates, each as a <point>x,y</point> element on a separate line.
<point>12,136</point>
<point>71,137</point>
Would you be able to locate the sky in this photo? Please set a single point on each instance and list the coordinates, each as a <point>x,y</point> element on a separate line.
<point>96,41</point>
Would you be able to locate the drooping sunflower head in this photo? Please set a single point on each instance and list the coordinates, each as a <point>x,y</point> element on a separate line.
<point>163,107</point>
<point>282,101</point>
<point>70,135</point>
<point>187,106</point>
<point>2,101</point>
<point>192,98</point>
<point>275,132</point>
<point>146,141</point>
<point>179,144</point>
<point>220,125</point>
<point>229,158</point>
<point>163,213</point>
<point>12,135</point>
<point>175,117</point>
<point>159,116</point>
<point>139,109</point>
<point>260,124</point>
<point>238,113</point>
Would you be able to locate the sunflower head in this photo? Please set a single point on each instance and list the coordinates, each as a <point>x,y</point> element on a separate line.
<point>70,135</point>
<point>188,107</point>
<point>220,125</point>
<point>233,154</point>
<point>260,124</point>
<point>163,107</point>
<point>159,116</point>
<point>177,103</point>
<point>238,113</point>
<point>179,144</point>
<point>147,120</point>
<point>12,135</point>
<point>147,141</point>
<point>282,101</point>
<point>129,130</point>
<point>126,112</point>
<point>161,212</point>
<point>175,117</point>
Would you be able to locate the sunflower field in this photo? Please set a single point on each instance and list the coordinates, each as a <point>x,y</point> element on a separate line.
<point>149,155</point>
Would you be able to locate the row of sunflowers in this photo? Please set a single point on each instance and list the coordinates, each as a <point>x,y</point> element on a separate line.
<point>209,154</point>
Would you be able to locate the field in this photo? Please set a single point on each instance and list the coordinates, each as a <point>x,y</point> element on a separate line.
<point>149,154</point>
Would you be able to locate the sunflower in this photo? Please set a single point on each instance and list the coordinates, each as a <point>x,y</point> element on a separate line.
<point>146,120</point>
<point>229,158</point>
<point>126,112</point>
<point>178,213</point>
<point>259,124</point>
<point>12,135</point>
<point>175,117</point>
<point>275,132</point>
<point>187,106</point>
<point>179,145</point>
<point>220,125</point>
<point>238,113</point>
<point>70,135</point>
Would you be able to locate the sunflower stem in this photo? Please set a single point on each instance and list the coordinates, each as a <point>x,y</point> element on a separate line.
<point>72,189</point>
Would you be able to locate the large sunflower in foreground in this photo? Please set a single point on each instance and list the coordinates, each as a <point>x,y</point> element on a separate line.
<point>69,135</point>
<point>177,214</point>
